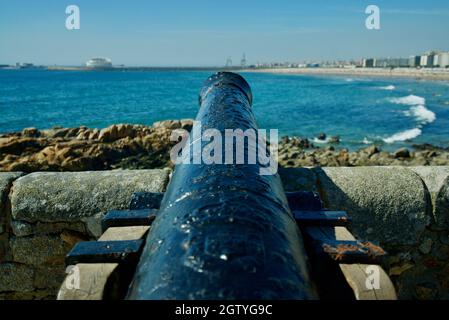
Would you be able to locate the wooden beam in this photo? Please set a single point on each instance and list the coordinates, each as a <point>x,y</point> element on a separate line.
<point>88,281</point>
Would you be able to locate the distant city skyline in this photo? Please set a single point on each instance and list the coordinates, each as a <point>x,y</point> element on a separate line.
<point>207,33</point>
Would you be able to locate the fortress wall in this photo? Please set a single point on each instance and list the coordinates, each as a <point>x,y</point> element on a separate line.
<point>405,210</point>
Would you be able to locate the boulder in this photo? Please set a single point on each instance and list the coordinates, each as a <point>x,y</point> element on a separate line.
<point>437,183</point>
<point>6,179</point>
<point>402,153</point>
<point>334,139</point>
<point>70,196</point>
<point>371,150</point>
<point>30,132</point>
<point>388,204</point>
<point>108,134</point>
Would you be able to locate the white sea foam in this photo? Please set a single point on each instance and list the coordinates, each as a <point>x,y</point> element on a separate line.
<point>421,113</point>
<point>316,140</point>
<point>410,100</point>
<point>390,87</point>
<point>404,135</point>
<point>366,141</point>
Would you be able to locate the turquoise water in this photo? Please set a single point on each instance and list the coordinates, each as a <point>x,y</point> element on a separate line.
<point>390,112</point>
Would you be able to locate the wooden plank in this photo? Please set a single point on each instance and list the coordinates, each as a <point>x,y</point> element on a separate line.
<point>123,251</point>
<point>126,218</point>
<point>87,281</point>
<point>356,274</point>
<point>321,218</point>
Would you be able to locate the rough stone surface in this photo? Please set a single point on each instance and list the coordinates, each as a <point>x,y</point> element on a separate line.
<point>39,250</point>
<point>387,204</point>
<point>16,277</point>
<point>390,205</point>
<point>70,196</point>
<point>21,228</point>
<point>437,182</point>
<point>49,277</point>
<point>6,179</point>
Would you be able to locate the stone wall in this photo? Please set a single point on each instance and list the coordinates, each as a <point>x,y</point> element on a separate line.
<point>406,210</point>
<point>47,213</point>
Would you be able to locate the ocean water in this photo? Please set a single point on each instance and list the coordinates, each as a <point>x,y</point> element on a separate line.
<point>388,112</point>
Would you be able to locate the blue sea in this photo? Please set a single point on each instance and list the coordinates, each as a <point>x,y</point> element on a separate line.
<point>385,111</point>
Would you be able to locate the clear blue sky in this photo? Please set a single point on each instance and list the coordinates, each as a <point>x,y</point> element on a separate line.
<point>206,32</point>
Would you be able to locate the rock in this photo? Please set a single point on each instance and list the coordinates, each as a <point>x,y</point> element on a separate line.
<point>371,150</point>
<point>437,182</point>
<point>45,197</point>
<point>21,228</point>
<point>392,201</point>
<point>49,278</point>
<point>16,277</point>
<point>108,134</point>
<point>72,238</point>
<point>39,250</point>
<point>334,139</point>
<point>125,130</point>
<point>168,124</point>
<point>322,136</point>
<point>42,228</point>
<point>6,179</point>
<point>426,246</point>
<point>94,134</point>
<point>93,225</point>
<point>116,132</point>
<point>30,132</point>
<point>20,146</point>
<point>402,153</point>
<point>426,292</point>
<point>187,124</point>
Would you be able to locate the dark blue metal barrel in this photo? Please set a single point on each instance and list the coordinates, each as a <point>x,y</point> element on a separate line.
<point>223,230</point>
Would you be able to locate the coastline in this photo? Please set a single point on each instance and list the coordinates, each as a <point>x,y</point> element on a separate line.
<point>418,74</point>
<point>126,146</point>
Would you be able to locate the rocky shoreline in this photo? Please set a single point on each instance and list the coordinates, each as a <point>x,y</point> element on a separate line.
<point>129,146</point>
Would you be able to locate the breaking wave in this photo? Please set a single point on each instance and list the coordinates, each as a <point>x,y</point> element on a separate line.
<point>316,140</point>
<point>404,135</point>
<point>418,111</point>
<point>421,113</point>
<point>410,100</point>
<point>366,141</point>
<point>390,87</point>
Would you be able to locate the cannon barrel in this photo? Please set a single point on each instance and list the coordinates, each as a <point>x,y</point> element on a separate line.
<point>224,231</point>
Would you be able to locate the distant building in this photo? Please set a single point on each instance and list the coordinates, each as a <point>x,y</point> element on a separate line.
<point>414,61</point>
<point>368,63</point>
<point>427,60</point>
<point>25,65</point>
<point>391,63</point>
<point>442,60</point>
<point>381,63</point>
<point>99,63</point>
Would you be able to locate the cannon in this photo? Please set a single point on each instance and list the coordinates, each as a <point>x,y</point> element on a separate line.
<point>223,229</point>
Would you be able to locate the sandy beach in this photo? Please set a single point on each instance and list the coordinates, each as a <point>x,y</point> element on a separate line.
<point>421,74</point>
